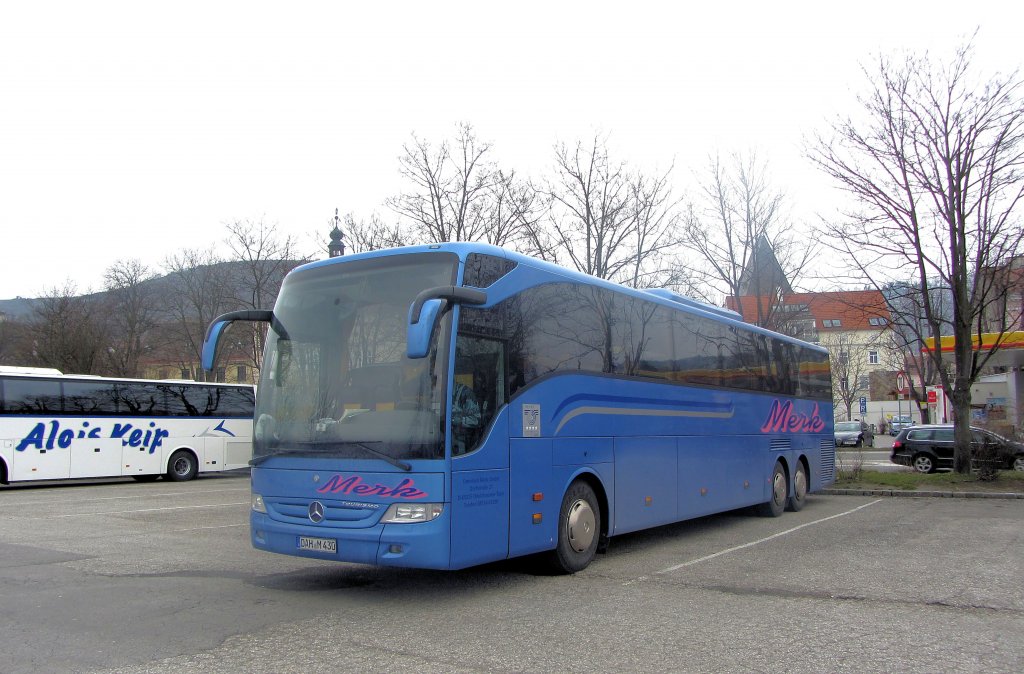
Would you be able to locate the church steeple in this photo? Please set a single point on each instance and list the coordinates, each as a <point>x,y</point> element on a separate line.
<point>336,248</point>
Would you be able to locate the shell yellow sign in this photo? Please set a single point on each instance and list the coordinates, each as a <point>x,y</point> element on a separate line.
<point>982,342</point>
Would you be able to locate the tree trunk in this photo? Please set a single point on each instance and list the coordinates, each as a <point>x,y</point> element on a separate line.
<point>961,397</point>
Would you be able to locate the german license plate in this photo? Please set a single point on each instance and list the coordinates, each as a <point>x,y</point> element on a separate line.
<point>318,544</point>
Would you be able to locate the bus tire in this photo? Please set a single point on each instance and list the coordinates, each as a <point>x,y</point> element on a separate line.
<point>182,466</point>
<point>579,529</point>
<point>775,505</point>
<point>798,499</point>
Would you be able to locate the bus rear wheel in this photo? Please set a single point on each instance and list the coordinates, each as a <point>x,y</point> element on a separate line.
<point>579,529</point>
<point>774,506</point>
<point>798,499</point>
<point>182,466</point>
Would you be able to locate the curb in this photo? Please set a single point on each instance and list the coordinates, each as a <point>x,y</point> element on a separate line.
<point>921,494</point>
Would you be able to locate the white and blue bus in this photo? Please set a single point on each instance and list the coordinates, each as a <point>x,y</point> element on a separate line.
<point>55,426</point>
<point>448,405</point>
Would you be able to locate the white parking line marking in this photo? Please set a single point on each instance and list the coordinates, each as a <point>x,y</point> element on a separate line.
<point>139,495</point>
<point>223,526</point>
<point>764,540</point>
<point>130,512</point>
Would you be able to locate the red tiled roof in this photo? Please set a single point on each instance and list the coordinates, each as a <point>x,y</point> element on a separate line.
<point>852,308</point>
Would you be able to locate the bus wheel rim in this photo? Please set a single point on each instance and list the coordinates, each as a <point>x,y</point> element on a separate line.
<point>581,524</point>
<point>779,488</point>
<point>800,485</point>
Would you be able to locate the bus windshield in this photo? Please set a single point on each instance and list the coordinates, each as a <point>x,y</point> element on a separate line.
<point>336,381</point>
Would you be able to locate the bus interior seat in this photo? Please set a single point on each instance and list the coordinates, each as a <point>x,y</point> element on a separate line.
<point>374,387</point>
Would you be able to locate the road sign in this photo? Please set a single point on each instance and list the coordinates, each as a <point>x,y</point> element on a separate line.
<point>902,382</point>
<point>863,405</point>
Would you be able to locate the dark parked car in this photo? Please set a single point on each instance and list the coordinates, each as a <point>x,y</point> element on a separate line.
<point>854,434</point>
<point>930,447</point>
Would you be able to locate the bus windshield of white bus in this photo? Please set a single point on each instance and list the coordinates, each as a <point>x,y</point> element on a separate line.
<point>336,381</point>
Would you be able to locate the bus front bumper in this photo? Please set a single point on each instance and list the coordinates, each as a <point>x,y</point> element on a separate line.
<point>424,545</point>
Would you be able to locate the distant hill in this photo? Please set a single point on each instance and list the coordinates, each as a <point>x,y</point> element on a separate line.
<point>20,308</point>
<point>17,309</point>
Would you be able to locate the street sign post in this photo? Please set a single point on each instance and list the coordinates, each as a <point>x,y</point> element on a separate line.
<point>902,389</point>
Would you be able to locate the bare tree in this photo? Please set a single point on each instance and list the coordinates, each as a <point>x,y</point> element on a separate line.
<point>848,358</point>
<point>458,193</point>
<point>738,231</point>
<point>131,313</point>
<point>606,220</point>
<point>67,331</point>
<point>265,256</point>
<point>14,341</point>
<point>200,289</point>
<point>910,323</point>
<point>934,164</point>
<point>362,236</point>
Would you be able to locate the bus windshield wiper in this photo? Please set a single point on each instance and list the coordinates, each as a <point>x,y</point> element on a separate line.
<point>397,463</point>
<point>257,460</point>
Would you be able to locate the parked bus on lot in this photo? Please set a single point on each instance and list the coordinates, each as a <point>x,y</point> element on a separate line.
<point>55,426</point>
<point>453,404</point>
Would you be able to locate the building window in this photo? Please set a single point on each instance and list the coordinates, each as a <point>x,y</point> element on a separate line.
<point>831,323</point>
<point>221,374</point>
<point>240,374</point>
<point>873,357</point>
<point>875,320</point>
<point>186,373</point>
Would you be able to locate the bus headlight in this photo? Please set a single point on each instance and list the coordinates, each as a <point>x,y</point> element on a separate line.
<point>412,512</point>
<point>257,504</point>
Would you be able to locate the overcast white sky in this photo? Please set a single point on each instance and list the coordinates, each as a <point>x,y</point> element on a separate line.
<point>137,129</point>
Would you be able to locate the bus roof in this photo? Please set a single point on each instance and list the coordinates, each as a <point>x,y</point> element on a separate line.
<point>15,369</point>
<point>660,296</point>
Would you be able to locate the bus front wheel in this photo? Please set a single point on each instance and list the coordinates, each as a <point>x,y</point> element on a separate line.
<point>182,466</point>
<point>780,493</point>
<point>579,529</point>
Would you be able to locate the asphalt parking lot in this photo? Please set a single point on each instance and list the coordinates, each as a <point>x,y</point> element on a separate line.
<point>160,577</point>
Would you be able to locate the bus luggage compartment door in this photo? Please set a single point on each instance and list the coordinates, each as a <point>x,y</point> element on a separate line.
<point>35,462</point>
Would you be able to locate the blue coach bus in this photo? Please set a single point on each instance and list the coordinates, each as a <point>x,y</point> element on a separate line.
<point>448,405</point>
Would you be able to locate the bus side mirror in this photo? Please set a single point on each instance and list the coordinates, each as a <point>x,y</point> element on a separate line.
<point>425,309</point>
<point>418,334</point>
<point>219,324</point>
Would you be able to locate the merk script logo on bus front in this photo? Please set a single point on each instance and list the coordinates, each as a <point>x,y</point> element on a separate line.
<point>339,484</point>
<point>785,418</point>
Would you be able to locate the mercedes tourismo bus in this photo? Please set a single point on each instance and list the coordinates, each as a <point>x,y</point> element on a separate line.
<point>447,405</point>
<point>55,426</point>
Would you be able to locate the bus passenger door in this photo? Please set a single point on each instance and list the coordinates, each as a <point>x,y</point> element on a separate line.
<point>480,453</point>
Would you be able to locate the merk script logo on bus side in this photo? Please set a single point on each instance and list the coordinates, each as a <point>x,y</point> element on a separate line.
<point>785,418</point>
